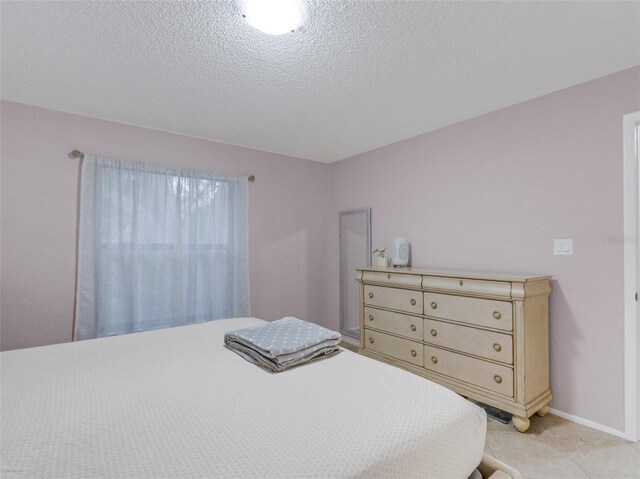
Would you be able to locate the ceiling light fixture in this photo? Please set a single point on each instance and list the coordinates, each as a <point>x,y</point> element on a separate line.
<point>275,17</point>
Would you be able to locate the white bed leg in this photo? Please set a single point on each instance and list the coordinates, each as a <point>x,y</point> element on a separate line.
<point>491,468</point>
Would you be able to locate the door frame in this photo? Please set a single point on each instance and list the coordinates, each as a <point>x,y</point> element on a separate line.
<point>631,245</point>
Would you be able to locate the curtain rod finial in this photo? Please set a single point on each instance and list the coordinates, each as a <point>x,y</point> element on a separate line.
<point>76,154</point>
<point>252,179</point>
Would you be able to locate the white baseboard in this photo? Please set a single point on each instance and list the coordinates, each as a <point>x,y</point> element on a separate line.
<point>591,424</point>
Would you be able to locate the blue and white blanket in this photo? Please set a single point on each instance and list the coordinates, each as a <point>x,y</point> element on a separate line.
<point>283,344</point>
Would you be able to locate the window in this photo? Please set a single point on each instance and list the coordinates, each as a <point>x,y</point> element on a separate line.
<point>159,247</point>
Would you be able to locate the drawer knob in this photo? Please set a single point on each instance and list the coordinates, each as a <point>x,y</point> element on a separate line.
<point>371,340</point>
<point>497,347</point>
<point>461,283</point>
<point>414,353</point>
<point>388,275</point>
<point>434,360</point>
<point>371,296</point>
<point>413,327</point>
<point>413,302</point>
<point>497,315</point>
<point>434,305</point>
<point>434,332</point>
<point>497,378</point>
<point>371,317</point>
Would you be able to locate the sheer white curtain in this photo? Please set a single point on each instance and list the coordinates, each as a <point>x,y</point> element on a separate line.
<point>159,246</point>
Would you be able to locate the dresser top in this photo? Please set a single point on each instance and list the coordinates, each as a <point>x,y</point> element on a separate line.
<point>514,278</point>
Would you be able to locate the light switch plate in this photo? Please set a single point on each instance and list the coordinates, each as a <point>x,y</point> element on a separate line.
<point>563,246</point>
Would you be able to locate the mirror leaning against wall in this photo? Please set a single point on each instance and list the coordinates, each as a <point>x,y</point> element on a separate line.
<point>355,252</point>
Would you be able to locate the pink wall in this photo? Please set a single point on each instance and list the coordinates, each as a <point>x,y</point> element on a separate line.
<point>39,206</point>
<point>491,194</point>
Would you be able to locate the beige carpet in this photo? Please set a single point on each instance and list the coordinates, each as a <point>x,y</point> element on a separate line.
<point>554,448</point>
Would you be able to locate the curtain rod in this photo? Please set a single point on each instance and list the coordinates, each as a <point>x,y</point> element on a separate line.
<point>79,154</point>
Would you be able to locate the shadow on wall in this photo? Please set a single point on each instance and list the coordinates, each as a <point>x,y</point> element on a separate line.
<point>283,266</point>
<point>562,324</point>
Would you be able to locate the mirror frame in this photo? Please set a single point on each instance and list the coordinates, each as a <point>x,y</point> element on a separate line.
<point>367,213</point>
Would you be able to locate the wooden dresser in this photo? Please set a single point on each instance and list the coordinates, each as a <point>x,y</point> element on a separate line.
<point>485,336</point>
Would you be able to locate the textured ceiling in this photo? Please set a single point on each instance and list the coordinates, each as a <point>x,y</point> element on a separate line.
<point>356,76</point>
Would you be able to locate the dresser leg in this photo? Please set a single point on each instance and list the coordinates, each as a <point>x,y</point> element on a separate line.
<point>543,411</point>
<point>521,423</point>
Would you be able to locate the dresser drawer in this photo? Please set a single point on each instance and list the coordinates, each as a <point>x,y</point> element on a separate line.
<point>402,349</point>
<point>480,312</point>
<point>468,286</point>
<point>487,344</point>
<point>477,372</point>
<point>408,280</point>
<point>393,298</point>
<point>396,323</point>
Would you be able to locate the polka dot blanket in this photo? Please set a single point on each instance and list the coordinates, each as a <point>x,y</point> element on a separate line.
<point>283,344</point>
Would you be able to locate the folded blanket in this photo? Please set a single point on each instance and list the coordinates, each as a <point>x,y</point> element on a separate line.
<point>283,344</point>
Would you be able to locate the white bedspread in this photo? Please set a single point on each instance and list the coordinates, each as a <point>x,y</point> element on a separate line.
<point>176,403</point>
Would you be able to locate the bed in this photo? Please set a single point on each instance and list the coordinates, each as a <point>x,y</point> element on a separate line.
<point>176,403</point>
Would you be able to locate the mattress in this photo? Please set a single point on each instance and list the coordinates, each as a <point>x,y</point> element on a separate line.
<point>176,403</point>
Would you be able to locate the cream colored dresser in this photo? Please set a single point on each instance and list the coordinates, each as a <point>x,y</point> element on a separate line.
<point>485,336</point>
